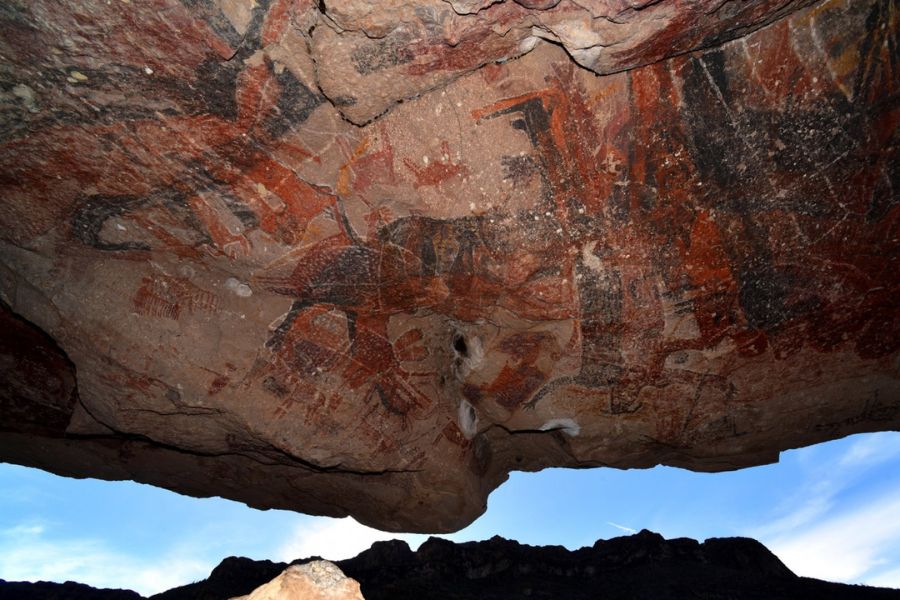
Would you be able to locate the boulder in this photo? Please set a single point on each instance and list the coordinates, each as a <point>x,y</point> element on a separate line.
<point>316,580</point>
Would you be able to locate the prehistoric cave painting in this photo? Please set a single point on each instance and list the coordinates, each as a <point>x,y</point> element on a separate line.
<point>222,83</point>
<point>382,54</point>
<point>567,171</point>
<point>123,223</point>
<point>370,162</point>
<point>713,244</point>
<point>341,273</point>
<point>702,269</point>
<point>460,269</point>
<point>791,177</point>
<point>879,53</point>
<point>214,177</point>
<point>213,65</point>
<point>169,297</point>
<point>438,171</point>
<point>518,169</point>
<point>559,126</point>
<point>207,206</point>
<point>202,210</point>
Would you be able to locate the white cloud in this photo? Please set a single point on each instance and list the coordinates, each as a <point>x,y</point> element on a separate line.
<point>889,579</point>
<point>23,529</point>
<point>872,449</point>
<point>335,539</point>
<point>809,510</point>
<point>27,554</point>
<point>826,480</point>
<point>817,535</point>
<point>845,547</point>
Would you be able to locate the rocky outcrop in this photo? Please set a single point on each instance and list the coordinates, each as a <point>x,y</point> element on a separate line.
<point>315,580</point>
<point>234,576</point>
<point>644,565</point>
<point>46,590</point>
<point>215,280</point>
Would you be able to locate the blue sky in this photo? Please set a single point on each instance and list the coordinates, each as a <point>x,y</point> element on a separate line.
<point>830,511</point>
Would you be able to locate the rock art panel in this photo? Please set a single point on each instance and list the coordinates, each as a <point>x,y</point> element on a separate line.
<point>231,289</point>
<point>371,55</point>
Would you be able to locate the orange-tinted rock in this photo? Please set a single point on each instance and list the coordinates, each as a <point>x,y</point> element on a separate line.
<point>316,580</point>
<point>692,263</point>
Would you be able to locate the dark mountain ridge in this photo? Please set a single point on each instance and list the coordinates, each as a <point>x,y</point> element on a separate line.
<point>644,565</point>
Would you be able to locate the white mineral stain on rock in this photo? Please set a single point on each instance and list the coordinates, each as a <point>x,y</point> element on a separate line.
<point>528,44</point>
<point>24,92</point>
<point>241,289</point>
<point>468,419</point>
<point>27,96</point>
<point>591,260</point>
<point>568,426</point>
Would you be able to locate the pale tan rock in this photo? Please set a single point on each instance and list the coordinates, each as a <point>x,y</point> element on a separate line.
<point>316,580</point>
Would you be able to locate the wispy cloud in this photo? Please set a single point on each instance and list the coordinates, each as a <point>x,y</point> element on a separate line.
<point>23,529</point>
<point>818,534</point>
<point>621,527</point>
<point>889,578</point>
<point>806,511</point>
<point>872,449</point>
<point>335,539</point>
<point>29,553</point>
<point>847,546</point>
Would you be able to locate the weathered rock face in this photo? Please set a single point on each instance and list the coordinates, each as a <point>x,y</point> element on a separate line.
<point>315,580</point>
<point>371,55</point>
<point>214,281</point>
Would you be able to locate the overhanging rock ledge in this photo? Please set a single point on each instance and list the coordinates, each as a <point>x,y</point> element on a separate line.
<point>369,260</point>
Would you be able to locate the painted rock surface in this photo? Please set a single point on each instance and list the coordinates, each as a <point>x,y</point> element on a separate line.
<point>214,280</point>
